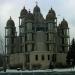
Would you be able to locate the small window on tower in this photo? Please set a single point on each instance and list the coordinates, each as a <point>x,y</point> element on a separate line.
<point>12,41</point>
<point>12,31</point>
<point>48,57</point>
<point>25,37</point>
<point>25,48</point>
<point>47,37</point>
<point>36,57</point>
<point>32,47</point>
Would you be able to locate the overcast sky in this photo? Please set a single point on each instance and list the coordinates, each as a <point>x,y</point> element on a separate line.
<point>63,8</point>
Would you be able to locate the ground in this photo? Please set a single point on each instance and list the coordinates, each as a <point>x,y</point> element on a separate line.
<point>70,71</point>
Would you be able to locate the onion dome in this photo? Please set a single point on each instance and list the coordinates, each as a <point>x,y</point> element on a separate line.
<point>64,24</point>
<point>36,9</point>
<point>29,16</point>
<point>23,12</point>
<point>10,22</point>
<point>51,15</point>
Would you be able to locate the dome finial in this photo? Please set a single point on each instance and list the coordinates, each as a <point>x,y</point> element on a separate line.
<point>10,17</point>
<point>51,8</point>
<point>36,3</point>
<point>63,19</point>
<point>36,8</point>
<point>24,7</point>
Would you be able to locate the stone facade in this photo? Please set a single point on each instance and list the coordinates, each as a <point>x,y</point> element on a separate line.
<point>40,41</point>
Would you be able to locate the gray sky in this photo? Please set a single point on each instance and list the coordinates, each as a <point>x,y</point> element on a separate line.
<point>63,8</point>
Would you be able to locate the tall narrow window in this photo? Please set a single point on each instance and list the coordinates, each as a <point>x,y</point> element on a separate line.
<point>12,41</point>
<point>32,47</point>
<point>25,37</point>
<point>27,58</point>
<point>47,37</point>
<point>48,57</point>
<point>32,37</point>
<point>36,57</point>
<point>25,48</point>
<point>43,58</point>
<point>54,57</point>
<point>47,47</point>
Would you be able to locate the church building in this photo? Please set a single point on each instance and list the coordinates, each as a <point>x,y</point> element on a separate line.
<point>40,43</point>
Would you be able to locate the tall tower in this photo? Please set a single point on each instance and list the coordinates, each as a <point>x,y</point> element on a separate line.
<point>40,30</point>
<point>26,34</point>
<point>29,31</point>
<point>51,21</point>
<point>10,35</point>
<point>29,42</point>
<point>22,28</point>
<point>38,19</point>
<point>63,34</point>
